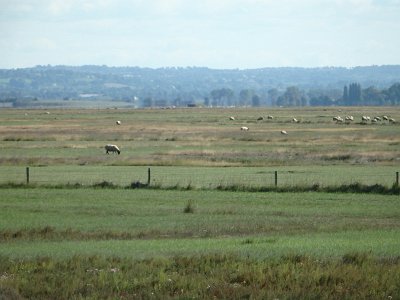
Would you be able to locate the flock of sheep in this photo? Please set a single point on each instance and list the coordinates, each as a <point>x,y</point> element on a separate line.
<point>244,128</point>
<point>338,119</point>
<point>364,119</point>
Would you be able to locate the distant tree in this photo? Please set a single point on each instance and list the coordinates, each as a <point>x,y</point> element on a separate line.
<point>273,96</point>
<point>354,97</point>
<point>206,101</point>
<point>393,94</point>
<point>245,97</point>
<point>373,96</point>
<point>222,97</point>
<point>291,97</point>
<point>321,100</point>
<point>255,101</point>
<point>345,94</point>
<point>148,102</point>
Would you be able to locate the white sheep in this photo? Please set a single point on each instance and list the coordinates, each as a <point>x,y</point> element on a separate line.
<point>270,117</point>
<point>284,132</point>
<point>112,148</point>
<point>232,118</point>
<point>118,122</point>
<point>365,119</point>
<point>338,119</point>
<point>391,120</point>
<point>386,118</point>
<point>294,120</point>
<point>244,128</point>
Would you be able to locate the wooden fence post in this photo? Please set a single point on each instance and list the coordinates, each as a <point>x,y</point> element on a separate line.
<point>276,178</point>
<point>27,175</point>
<point>148,176</point>
<point>397,178</point>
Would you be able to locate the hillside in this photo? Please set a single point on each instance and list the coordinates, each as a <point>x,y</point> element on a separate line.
<point>139,87</point>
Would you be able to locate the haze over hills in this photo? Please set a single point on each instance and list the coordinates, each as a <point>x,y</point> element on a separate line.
<point>141,87</point>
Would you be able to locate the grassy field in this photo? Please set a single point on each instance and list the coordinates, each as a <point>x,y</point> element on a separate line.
<point>101,243</point>
<point>187,236</point>
<point>273,223</point>
<point>199,137</point>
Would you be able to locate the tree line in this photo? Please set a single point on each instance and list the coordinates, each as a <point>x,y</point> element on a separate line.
<point>144,87</point>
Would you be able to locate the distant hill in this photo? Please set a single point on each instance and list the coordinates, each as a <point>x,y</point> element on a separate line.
<point>178,86</point>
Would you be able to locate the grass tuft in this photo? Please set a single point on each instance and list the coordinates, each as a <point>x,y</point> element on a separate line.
<point>105,184</point>
<point>189,207</point>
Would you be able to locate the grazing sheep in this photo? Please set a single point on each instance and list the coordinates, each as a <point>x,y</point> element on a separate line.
<point>294,120</point>
<point>260,118</point>
<point>338,119</point>
<point>244,128</point>
<point>377,119</point>
<point>386,118</point>
<point>118,122</point>
<point>365,119</point>
<point>349,119</point>
<point>232,118</point>
<point>283,132</point>
<point>391,120</point>
<point>112,148</point>
<point>270,117</point>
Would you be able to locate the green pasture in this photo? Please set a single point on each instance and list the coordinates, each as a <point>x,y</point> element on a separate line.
<point>203,177</point>
<point>62,223</point>
<point>379,243</point>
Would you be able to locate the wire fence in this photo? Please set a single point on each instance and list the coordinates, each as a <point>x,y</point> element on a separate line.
<point>200,177</point>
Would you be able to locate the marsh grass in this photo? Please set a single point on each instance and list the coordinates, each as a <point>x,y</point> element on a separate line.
<point>213,276</point>
<point>197,137</point>
<point>357,188</point>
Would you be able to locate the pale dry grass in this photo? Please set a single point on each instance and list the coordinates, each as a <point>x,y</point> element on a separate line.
<point>197,136</point>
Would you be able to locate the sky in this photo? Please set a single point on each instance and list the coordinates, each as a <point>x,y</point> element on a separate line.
<point>218,34</point>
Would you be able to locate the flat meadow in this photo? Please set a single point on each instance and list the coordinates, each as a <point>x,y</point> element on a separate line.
<point>212,222</point>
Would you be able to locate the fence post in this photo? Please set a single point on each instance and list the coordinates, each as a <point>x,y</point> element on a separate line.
<point>276,178</point>
<point>148,176</point>
<point>27,175</point>
<point>397,178</point>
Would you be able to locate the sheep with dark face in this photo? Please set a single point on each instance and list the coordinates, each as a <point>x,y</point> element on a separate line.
<point>112,148</point>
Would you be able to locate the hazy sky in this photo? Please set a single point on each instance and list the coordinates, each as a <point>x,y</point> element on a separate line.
<point>205,33</point>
